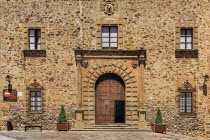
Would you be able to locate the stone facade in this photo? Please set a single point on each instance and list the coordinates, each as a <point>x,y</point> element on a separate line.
<point>68,26</point>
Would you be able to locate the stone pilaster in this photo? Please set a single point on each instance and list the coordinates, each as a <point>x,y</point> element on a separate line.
<point>79,119</point>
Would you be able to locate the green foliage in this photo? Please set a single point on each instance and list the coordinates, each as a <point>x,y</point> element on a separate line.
<point>62,116</point>
<point>159,119</point>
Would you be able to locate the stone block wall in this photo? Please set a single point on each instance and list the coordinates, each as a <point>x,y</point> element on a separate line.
<point>66,23</point>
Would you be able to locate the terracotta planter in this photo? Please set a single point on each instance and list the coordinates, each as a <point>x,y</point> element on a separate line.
<point>158,129</point>
<point>62,126</point>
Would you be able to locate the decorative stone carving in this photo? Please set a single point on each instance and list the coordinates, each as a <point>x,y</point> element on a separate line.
<point>135,64</point>
<point>35,86</point>
<point>186,87</point>
<point>85,63</point>
<point>109,6</point>
<point>109,9</point>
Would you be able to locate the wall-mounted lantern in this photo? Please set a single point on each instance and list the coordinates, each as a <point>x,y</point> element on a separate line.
<point>206,78</point>
<point>9,93</point>
<point>8,79</point>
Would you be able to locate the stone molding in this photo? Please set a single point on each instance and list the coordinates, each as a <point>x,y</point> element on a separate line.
<point>88,76</point>
<point>194,26</point>
<point>40,26</point>
<point>118,23</point>
<point>35,86</point>
<point>131,86</point>
<point>83,55</point>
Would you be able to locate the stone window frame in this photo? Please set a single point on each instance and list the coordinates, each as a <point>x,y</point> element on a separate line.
<point>34,86</point>
<point>186,53</point>
<point>187,87</point>
<point>27,52</point>
<point>117,23</point>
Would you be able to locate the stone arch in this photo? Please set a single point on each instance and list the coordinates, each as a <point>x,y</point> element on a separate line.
<point>131,90</point>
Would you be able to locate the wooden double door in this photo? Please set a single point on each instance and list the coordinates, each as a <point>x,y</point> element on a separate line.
<point>110,100</point>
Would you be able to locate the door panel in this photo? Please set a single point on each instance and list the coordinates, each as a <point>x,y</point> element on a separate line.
<point>119,111</point>
<point>109,88</point>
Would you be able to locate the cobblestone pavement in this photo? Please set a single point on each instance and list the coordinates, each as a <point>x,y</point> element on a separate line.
<point>90,135</point>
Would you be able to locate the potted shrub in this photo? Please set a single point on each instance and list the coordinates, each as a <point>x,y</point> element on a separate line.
<point>62,124</point>
<point>158,125</point>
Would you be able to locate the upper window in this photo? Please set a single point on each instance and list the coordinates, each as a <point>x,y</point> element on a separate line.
<point>186,102</point>
<point>186,37</point>
<point>35,101</point>
<point>34,39</point>
<point>109,37</point>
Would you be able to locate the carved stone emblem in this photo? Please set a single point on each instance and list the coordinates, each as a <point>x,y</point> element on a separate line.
<point>187,87</point>
<point>85,63</point>
<point>134,64</point>
<point>35,86</point>
<point>109,6</point>
<point>109,9</point>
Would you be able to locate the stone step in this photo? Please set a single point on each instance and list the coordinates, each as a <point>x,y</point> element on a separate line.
<point>110,125</point>
<point>111,128</point>
<point>114,130</point>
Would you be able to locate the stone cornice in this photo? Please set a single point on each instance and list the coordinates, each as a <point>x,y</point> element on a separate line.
<point>110,54</point>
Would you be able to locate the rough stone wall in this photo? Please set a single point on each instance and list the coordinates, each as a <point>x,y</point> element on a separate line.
<point>146,23</point>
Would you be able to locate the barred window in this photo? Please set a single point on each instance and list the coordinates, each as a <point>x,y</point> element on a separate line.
<point>186,38</point>
<point>34,39</point>
<point>186,102</point>
<point>109,37</point>
<point>35,101</point>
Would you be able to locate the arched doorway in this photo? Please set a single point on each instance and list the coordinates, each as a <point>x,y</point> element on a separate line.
<point>109,99</point>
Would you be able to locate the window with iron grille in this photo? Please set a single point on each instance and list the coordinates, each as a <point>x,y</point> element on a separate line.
<point>109,37</point>
<point>186,38</point>
<point>186,102</point>
<point>34,39</point>
<point>35,101</point>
